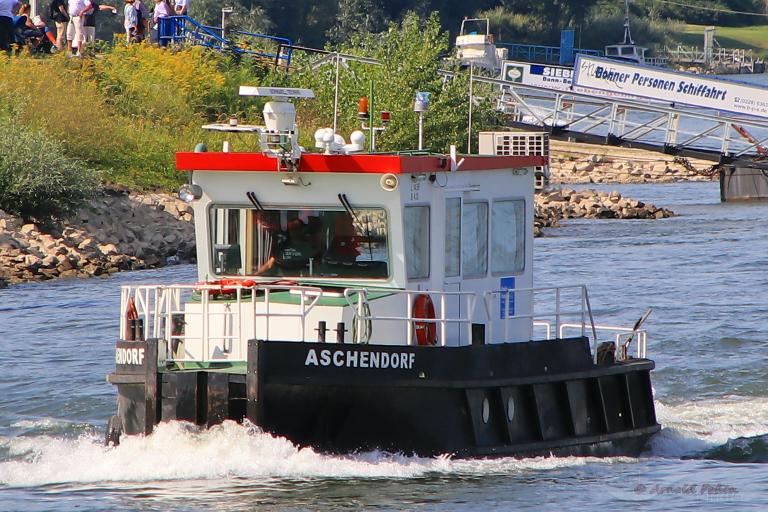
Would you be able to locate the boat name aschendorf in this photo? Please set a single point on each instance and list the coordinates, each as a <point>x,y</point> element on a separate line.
<point>129,356</point>
<point>355,359</point>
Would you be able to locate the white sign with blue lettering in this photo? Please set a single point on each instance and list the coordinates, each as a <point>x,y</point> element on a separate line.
<point>559,78</point>
<point>507,283</point>
<point>670,86</point>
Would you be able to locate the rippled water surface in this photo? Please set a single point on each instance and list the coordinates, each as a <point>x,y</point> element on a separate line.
<point>704,273</point>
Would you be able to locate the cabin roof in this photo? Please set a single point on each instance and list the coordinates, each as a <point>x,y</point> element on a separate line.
<point>363,164</point>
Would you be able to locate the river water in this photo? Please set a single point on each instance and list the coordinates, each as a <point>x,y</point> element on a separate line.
<point>703,273</point>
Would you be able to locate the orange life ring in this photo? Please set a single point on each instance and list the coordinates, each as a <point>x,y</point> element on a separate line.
<point>226,286</point>
<point>426,332</point>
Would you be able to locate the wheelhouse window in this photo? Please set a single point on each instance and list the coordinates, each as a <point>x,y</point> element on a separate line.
<point>292,242</point>
<point>508,236</point>
<point>452,237</point>
<point>416,234</point>
<point>474,240</point>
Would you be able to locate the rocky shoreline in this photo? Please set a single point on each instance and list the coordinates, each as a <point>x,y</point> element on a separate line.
<point>573,162</point>
<point>116,232</point>
<point>552,206</point>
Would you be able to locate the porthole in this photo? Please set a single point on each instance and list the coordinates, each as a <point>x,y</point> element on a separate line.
<point>511,408</point>
<point>486,410</point>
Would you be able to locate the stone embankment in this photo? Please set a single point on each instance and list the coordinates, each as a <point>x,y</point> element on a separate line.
<point>555,205</point>
<point>115,232</point>
<point>573,162</point>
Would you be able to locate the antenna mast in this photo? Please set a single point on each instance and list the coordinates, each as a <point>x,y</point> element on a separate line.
<point>627,34</point>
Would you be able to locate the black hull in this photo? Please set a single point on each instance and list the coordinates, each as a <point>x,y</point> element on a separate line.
<point>487,400</point>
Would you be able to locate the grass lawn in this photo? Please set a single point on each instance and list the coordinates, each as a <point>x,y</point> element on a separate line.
<point>755,37</point>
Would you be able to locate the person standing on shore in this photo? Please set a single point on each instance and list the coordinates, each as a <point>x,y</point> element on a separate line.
<point>7,10</point>
<point>160,23</point>
<point>142,16</point>
<point>58,13</point>
<point>131,21</point>
<point>76,28</point>
<point>90,20</point>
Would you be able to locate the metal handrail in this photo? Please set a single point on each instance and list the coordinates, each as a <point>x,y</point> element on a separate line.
<point>176,31</point>
<point>158,305</point>
<point>357,298</point>
<point>161,308</point>
<point>618,333</point>
<point>583,310</point>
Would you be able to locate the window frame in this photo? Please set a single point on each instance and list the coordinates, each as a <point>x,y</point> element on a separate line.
<point>487,239</point>
<point>428,206</point>
<point>524,237</point>
<point>210,225</point>
<point>457,275</point>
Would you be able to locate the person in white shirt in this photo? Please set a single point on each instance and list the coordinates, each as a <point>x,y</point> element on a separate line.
<point>76,28</point>
<point>160,24</point>
<point>7,10</point>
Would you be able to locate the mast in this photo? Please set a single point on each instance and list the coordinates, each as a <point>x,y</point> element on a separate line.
<point>627,34</point>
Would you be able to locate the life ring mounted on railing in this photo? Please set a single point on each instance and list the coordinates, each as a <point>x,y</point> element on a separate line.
<point>225,286</point>
<point>425,332</point>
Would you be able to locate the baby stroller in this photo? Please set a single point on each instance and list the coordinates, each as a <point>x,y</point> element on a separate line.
<point>38,38</point>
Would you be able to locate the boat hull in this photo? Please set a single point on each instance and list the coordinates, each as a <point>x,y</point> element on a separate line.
<point>483,400</point>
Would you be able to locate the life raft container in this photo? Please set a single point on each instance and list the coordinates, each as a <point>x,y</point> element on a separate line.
<point>425,332</point>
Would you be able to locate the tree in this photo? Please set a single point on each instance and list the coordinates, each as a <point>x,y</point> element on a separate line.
<point>409,54</point>
<point>356,17</point>
<point>247,15</point>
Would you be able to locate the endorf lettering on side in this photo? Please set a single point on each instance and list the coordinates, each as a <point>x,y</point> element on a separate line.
<point>133,356</point>
<point>355,359</point>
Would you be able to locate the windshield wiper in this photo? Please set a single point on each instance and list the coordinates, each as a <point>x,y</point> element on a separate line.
<point>348,207</point>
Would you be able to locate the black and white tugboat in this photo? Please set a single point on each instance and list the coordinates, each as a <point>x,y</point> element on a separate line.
<point>352,301</point>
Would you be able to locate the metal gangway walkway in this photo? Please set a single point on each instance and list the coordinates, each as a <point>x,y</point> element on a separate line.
<point>186,30</point>
<point>629,121</point>
<point>633,122</point>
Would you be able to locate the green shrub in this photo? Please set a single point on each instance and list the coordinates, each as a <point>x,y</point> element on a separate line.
<point>37,181</point>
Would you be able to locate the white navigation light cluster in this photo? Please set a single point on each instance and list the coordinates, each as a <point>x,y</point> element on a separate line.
<point>332,142</point>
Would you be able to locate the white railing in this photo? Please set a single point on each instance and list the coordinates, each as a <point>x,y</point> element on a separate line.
<point>165,312</point>
<point>161,309</point>
<point>357,298</point>
<point>568,301</point>
<point>622,336</point>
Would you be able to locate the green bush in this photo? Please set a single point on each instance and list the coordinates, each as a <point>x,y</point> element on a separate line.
<point>36,180</point>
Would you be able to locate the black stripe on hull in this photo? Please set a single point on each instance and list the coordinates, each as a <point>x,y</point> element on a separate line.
<point>487,400</point>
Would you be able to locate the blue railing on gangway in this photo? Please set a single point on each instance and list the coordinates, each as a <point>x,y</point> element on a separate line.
<point>183,29</point>
<point>540,53</point>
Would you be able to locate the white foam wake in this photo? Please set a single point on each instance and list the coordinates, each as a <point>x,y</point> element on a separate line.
<point>176,451</point>
<point>700,425</point>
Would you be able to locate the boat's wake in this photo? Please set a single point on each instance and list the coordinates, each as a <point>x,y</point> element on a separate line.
<point>177,451</point>
<point>728,428</point>
<point>42,456</point>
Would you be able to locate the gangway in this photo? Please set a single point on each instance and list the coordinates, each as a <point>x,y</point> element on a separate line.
<point>187,30</point>
<point>632,122</point>
<point>625,120</point>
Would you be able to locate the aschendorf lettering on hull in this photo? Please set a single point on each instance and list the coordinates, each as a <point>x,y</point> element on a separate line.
<point>360,359</point>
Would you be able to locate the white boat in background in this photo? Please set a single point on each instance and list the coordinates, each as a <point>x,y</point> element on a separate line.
<point>475,45</point>
<point>628,51</point>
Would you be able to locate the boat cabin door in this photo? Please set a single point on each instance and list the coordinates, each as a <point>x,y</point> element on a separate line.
<point>455,334</point>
